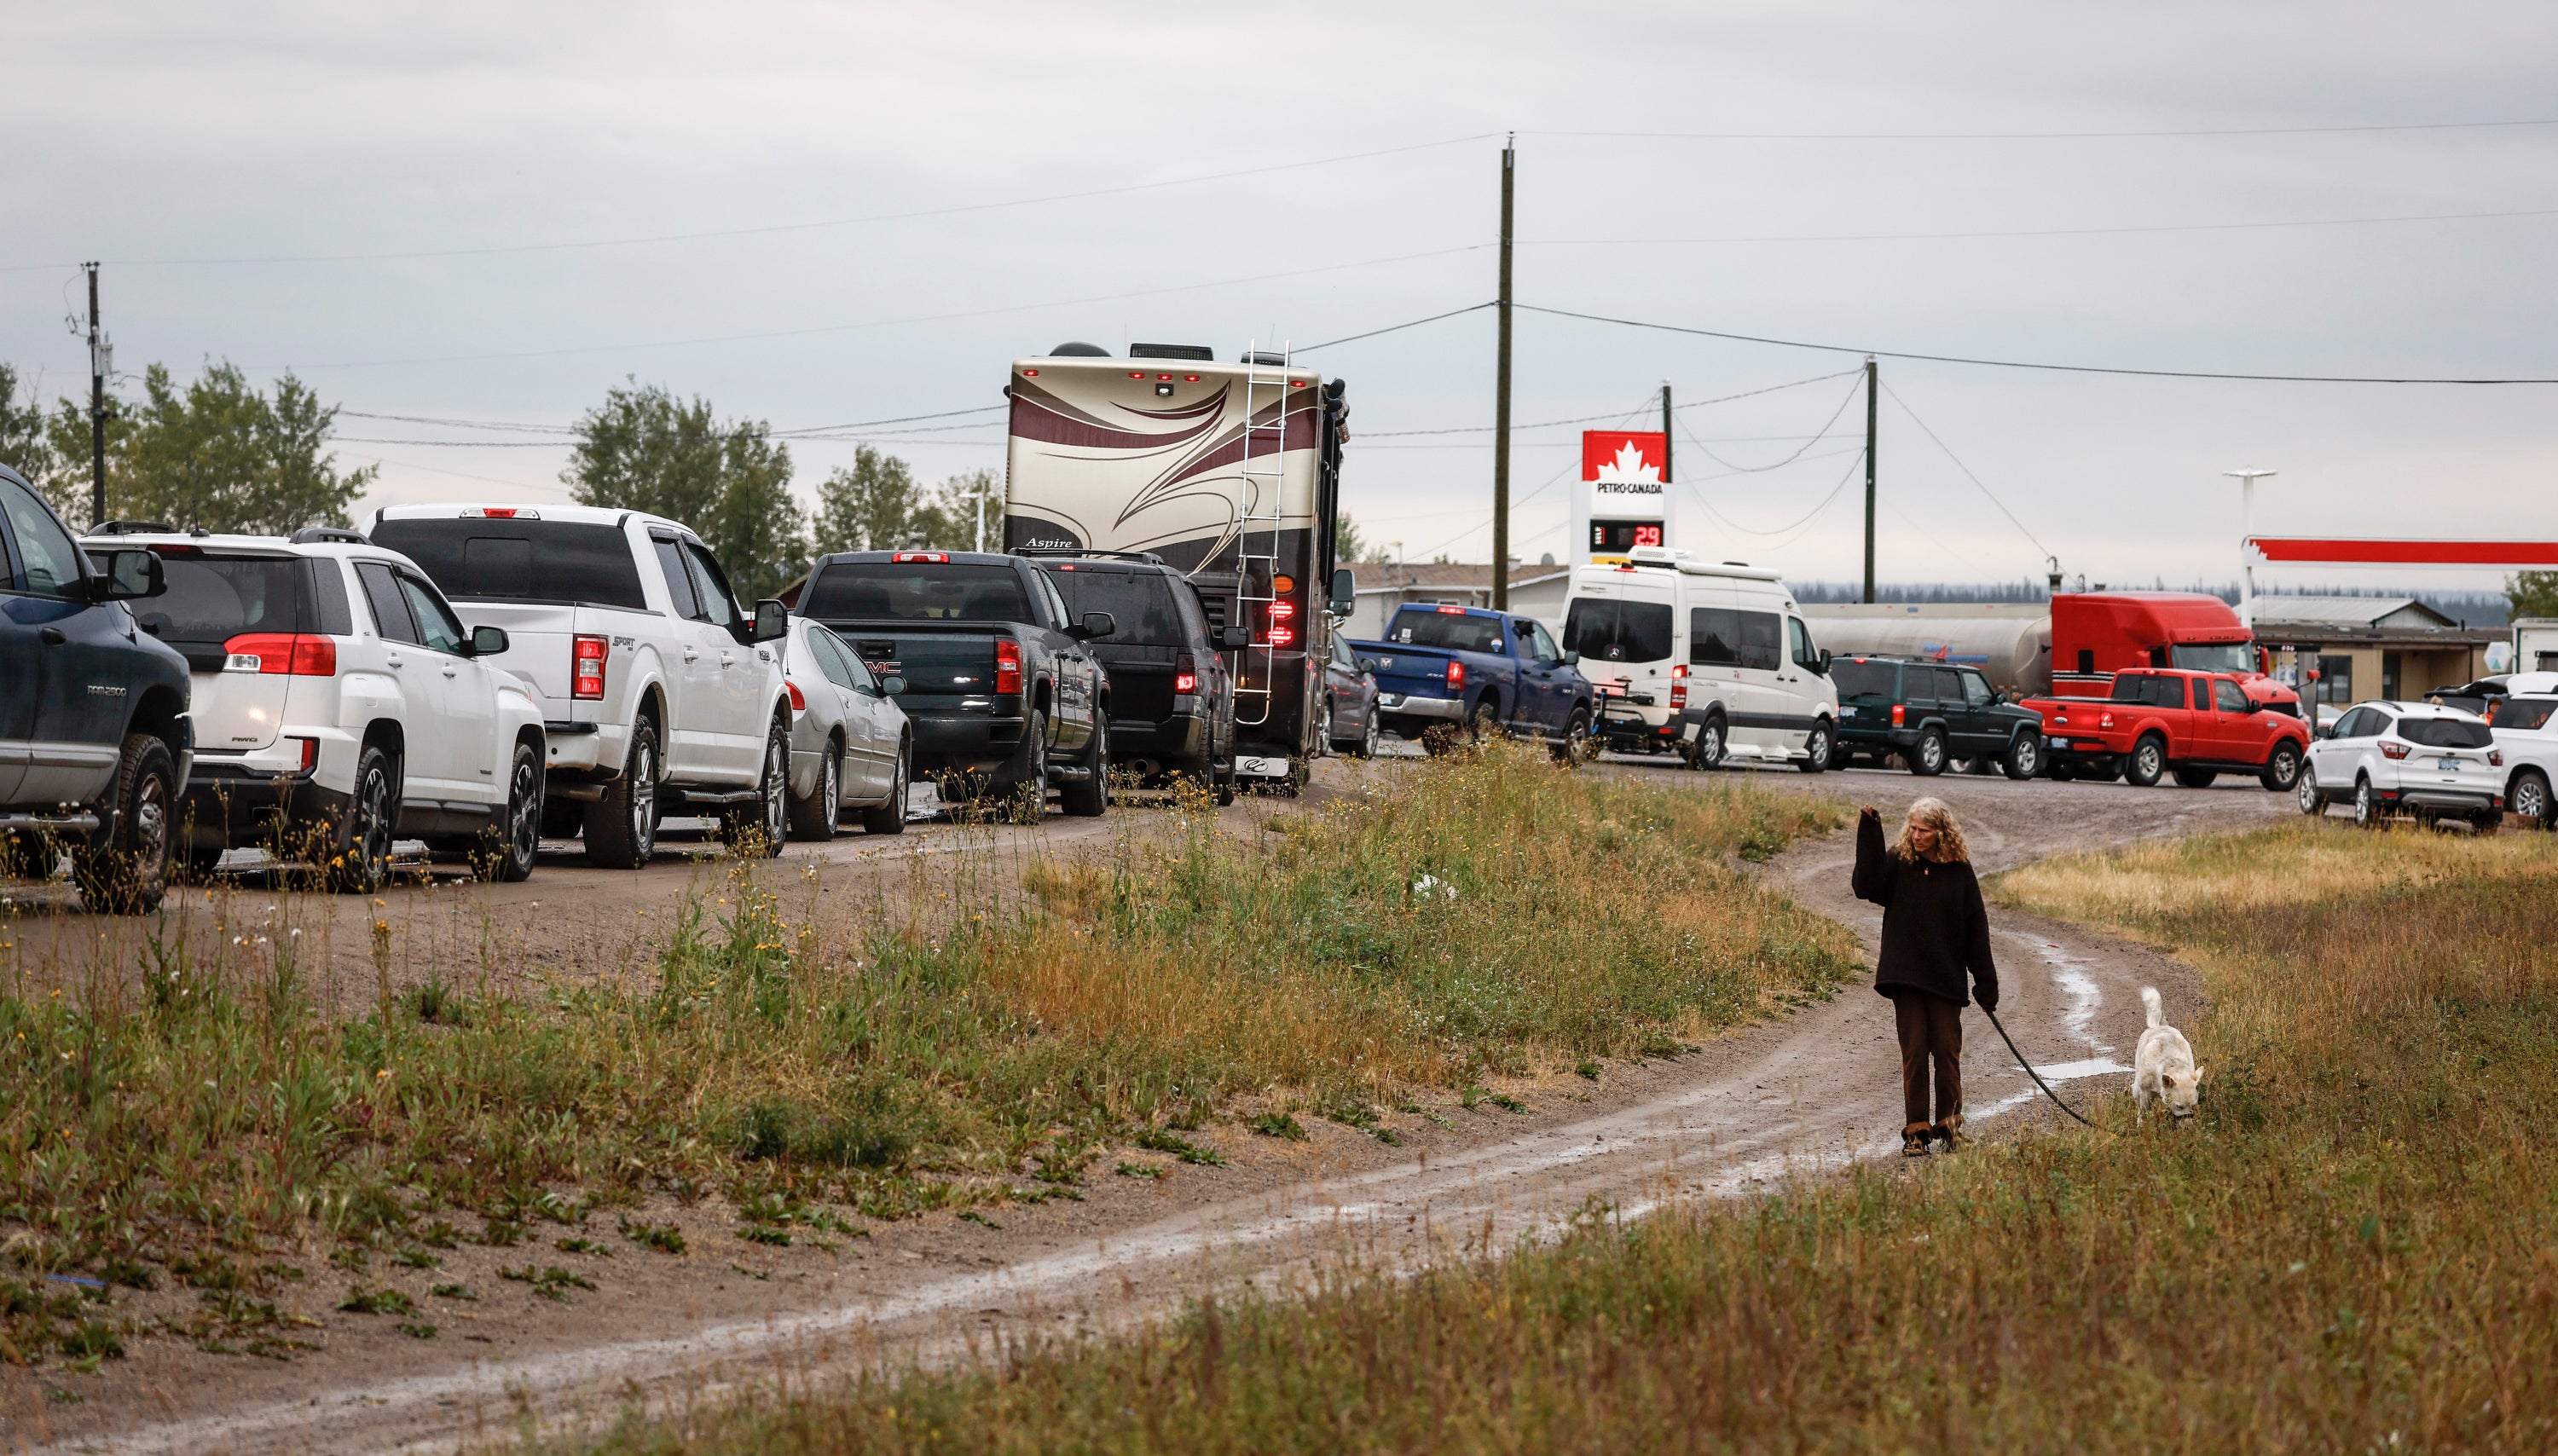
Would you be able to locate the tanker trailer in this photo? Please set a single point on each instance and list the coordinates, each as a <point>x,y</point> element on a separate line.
<point>2009,642</point>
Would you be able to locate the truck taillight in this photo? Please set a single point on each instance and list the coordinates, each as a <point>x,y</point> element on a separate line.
<point>936,557</point>
<point>1900,714</point>
<point>1456,675</point>
<point>301,654</point>
<point>1008,665</point>
<point>586,659</point>
<point>798,700</point>
<point>1185,674</point>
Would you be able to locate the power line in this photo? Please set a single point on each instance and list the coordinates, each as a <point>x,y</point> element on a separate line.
<point>770,228</point>
<point>1828,237</point>
<point>1842,348</point>
<point>2043,136</point>
<point>541,353</point>
<point>1694,404</point>
<point>1804,519</point>
<point>1398,328</point>
<point>1967,470</point>
<point>1843,403</point>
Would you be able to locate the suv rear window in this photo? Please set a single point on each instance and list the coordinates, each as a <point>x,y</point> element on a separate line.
<point>563,562</point>
<point>2523,714</point>
<point>1618,632</point>
<point>1140,602</point>
<point>1447,631</point>
<point>213,599</point>
<point>917,591</point>
<point>2445,732</point>
<point>1863,678</point>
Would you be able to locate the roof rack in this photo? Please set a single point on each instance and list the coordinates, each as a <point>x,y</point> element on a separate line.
<point>1146,558</point>
<point>308,535</point>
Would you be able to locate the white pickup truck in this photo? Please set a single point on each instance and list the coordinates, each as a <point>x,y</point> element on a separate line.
<point>660,693</point>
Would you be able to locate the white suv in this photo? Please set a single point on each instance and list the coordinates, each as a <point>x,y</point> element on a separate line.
<point>2525,726</point>
<point>2383,757</point>
<point>659,692</point>
<point>339,704</point>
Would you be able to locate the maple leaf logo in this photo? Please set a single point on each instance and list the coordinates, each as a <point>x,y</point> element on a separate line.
<point>1629,469</point>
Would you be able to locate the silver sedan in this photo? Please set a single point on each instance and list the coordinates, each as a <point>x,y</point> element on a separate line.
<point>850,746</point>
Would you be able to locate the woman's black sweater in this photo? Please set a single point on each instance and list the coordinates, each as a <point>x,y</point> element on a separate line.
<point>1935,927</point>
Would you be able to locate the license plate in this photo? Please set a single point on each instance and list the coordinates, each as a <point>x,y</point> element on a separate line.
<point>2060,742</point>
<point>1254,767</point>
<point>2448,765</point>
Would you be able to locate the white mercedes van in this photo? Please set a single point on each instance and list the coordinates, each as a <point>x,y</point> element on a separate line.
<point>1709,661</point>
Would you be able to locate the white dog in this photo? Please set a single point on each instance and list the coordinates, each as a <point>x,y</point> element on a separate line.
<point>2163,1066</point>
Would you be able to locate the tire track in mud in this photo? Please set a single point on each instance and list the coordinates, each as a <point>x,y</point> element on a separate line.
<point>1809,1094</point>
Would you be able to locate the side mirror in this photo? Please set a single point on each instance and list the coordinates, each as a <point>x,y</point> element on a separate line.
<point>488,641</point>
<point>2255,707</point>
<point>2323,731</point>
<point>1572,659</point>
<point>1345,591</point>
<point>1822,666</point>
<point>1234,639</point>
<point>893,684</point>
<point>130,576</point>
<point>1367,664</point>
<point>1095,625</point>
<point>772,620</point>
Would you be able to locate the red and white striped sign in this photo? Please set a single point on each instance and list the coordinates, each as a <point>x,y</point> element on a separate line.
<point>2374,551</point>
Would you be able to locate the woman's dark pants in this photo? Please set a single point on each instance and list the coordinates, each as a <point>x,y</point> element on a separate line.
<point>1930,1028</point>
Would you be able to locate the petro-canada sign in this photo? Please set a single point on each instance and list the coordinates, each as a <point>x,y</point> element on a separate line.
<point>1621,503</point>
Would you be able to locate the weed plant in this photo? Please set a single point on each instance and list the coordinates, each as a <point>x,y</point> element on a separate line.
<point>2354,1248</point>
<point>930,1053</point>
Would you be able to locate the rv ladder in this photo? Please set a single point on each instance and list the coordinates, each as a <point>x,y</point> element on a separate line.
<point>1258,524</point>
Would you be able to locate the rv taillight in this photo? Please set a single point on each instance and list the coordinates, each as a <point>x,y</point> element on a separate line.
<point>1185,674</point>
<point>1164,377</point>
<point>1030,373</point>
<point>925,556</point>
<point>300,654</point>
<point>1280,612</point>
<point>1281,635</point>
<point>586,666</point>
<point>1190,378</point>
<point>1136,374</point>
<point>1008,665</point>
<point>1456,675</point>
<point>798,700</point>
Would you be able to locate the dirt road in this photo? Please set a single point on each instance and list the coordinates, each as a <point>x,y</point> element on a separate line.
<point>1809,1092</point>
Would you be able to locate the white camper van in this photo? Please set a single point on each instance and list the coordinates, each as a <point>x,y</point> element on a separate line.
<point>1711,662</point>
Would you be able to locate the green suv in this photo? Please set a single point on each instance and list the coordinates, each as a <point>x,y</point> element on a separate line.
<point>1931,715</point>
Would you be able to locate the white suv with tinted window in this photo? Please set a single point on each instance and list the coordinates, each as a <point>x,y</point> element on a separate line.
<point>660,691</point>
<point>2387,757</point>
<point>340,704</point>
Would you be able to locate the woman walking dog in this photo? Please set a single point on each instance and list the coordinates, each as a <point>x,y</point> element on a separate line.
<point>1934,930</point>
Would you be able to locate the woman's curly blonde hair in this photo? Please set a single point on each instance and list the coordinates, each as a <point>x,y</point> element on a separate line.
<point>1951,847</point>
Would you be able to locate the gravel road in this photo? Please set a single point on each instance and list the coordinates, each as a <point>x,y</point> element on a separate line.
<point>1811,1092</point>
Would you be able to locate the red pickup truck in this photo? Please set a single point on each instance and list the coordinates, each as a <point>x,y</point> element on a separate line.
<point>2197,725</point>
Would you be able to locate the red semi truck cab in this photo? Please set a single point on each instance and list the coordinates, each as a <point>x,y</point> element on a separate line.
<point>2177,687</point>
<point>2097,635</point>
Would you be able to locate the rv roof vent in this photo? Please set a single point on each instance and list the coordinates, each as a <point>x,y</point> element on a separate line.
<point>1198,351</point>
<point>1278,360</point>
<point>1072,350</point>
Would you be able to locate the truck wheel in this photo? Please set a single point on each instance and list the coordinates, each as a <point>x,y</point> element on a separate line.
<point>889,815</point>
<point>1034,779</point>
<point>124,870</point>
<point>2147,764</point>
<point>2530,798</point>
<point>815,818</point>
<point>759,827</point>
<point>1572,750</point>
<point>2282,769</point>
<point>507,850</point>
<point>621,827</point>
<point>2196,779</point>
<point>1817,750</point>
<point>360,858</point>
<point>2305,787</point>
<point>2024,756</point>
<point>1710,746</point>
<point>1090,798</point>
<point>1928,760</point>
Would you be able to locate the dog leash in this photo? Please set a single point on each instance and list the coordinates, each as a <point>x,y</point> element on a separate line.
<point>2030,1072</point>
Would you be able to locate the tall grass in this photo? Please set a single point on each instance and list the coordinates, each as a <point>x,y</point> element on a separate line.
<point>2355,1249</point>
<point>963,1040</point>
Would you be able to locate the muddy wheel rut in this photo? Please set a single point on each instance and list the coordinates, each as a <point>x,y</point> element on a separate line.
<point>1814,1091</point>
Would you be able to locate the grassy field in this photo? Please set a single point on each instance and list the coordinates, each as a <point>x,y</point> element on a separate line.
<point>2355,1248</point>
<point>966,1039</point>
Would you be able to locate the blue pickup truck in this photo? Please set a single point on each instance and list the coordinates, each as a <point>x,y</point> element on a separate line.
<point>1451,673</point>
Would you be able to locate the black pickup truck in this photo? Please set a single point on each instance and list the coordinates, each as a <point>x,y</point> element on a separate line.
<point>1000,688</point>
<point>94,736</point>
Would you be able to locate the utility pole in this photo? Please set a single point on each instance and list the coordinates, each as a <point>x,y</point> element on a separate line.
<point>1873,380</point>
<point>1501,398</point>
<point>100,365</point>
<point>1665,461</point>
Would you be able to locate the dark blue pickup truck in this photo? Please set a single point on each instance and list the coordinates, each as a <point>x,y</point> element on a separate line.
<point>1448,673</point>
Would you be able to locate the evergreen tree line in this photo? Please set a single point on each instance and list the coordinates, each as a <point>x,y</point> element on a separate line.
<point>220,453</point>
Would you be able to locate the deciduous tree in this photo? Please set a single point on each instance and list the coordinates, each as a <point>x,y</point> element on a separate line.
<point>875,504</point>
<point>2532,593</point>
<point>644,449</point>
<point>217,454</point>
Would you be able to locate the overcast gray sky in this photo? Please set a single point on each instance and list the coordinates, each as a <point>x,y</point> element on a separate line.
<point>160,136</point>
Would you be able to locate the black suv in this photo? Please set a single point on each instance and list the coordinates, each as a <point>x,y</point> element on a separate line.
<point>1001,689</point>
<point>94,736</point>
<point>1931,715</point>
<point>1171,696</point>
